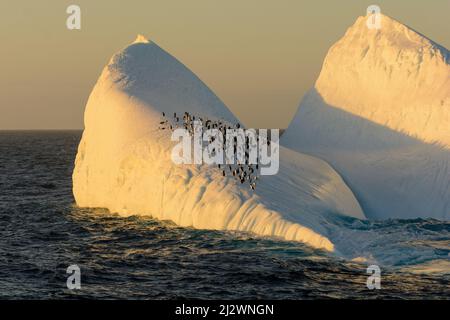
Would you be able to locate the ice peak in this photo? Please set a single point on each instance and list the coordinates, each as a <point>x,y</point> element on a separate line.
<point>386,22</point>
<point>396,71</point>
<point>141,39</point>
<point>391,32</point>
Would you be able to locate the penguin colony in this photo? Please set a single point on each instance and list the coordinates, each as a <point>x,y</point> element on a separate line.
<point>243,172</point>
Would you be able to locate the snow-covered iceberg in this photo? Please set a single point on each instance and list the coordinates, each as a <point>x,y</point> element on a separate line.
<point>124,160</point>
<point>380,115</point>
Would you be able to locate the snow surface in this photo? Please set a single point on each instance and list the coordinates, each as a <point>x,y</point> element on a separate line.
<point>380,115</point>
<point>124,160</point>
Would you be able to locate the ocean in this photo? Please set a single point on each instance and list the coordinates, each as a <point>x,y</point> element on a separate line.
<point>43,232</point>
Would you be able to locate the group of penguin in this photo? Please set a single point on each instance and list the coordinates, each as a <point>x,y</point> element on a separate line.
<point>242,172</point>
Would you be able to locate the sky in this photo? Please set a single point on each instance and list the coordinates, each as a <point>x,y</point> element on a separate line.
<point>259,56</point>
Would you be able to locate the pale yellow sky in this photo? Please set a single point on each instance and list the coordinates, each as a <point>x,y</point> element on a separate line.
<point>258,56</point>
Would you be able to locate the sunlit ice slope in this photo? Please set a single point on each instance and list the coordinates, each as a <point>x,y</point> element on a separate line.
<point>124,160</point>
<point>380,115</point>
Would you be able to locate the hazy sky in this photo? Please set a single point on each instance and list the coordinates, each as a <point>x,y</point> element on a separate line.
<point>258,56</point>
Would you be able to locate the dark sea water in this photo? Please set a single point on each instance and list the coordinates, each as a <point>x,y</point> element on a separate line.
<point>42,232</point>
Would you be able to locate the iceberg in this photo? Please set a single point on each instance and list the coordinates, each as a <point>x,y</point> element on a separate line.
<point>379,113</point>
<point>124,160</point>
